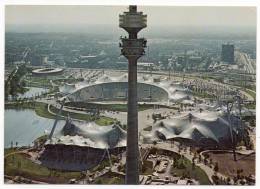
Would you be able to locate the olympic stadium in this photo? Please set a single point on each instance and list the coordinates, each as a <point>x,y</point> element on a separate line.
<point>88,143</point>
<point>47,71</point>
<point>108,88</point>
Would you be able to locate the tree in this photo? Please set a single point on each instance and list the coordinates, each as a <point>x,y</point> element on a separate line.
<point>5,163</point>
<point>239,172</point>
<point>193,159</point>
<point>175,163</point>
<point>19,164</point>
<point>228,180</point>
<point>181,164</point>
<point>193,163</point>
<point>216,168</point>
<point>200,158</point>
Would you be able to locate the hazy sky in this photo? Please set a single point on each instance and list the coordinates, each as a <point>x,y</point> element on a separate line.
<point>172,16</point>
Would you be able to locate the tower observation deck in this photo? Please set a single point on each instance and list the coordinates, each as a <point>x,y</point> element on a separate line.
<point>132,48</point>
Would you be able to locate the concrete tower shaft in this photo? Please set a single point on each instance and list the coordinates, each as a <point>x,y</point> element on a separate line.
<point>132,48</point>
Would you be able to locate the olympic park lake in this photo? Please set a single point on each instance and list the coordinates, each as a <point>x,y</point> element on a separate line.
<point>24,126</point>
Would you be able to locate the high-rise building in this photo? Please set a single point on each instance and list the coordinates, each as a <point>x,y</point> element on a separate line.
<point>227,53</point>
<point>180,60</point>
<point>132,48</point>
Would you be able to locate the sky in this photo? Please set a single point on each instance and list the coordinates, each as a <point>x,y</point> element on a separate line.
<point>23,15</point>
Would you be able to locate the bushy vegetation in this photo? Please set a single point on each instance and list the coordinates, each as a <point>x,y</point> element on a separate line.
<point>14,84</point>
<point>147,168</point>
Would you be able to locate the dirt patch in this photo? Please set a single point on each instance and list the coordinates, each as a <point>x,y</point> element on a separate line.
<point>229,167</point>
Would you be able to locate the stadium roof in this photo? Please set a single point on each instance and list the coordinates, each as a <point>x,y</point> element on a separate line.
<point>199,127</point>
<point>176,92</point>
<point>89,134</point>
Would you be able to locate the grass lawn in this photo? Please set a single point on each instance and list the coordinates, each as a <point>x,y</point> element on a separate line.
<point>9,150</point>
<point>110,178</point>
<point>41,110</point>
<point>102,121</point>
<point>19,164</point>
<point>251,93</point>
<point>250,106</point>
<point>196,172</point>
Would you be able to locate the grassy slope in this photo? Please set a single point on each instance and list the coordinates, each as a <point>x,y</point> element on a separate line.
<point>29,169</point>
<point>251,93</point>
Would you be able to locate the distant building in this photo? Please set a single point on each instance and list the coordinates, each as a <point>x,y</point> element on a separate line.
<point>44,59</point>
<point>227,53</point>
<point>194,59</point>
<point>145,65</point>
<point>36,60</point>
<point>180,59</point>
<point>10,58</point>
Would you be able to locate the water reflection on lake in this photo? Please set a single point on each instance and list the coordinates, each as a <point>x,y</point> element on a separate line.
<point>24,126</point>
